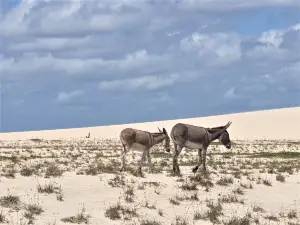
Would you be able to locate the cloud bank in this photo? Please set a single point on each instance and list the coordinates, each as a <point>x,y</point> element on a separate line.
<point>86,63</point>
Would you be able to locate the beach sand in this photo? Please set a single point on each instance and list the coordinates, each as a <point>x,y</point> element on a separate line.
<point>61,177</point>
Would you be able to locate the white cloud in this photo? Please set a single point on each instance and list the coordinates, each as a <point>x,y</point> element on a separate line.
<point>64,97</point>
<point>78,66</point>
<point>217,48</point>
<point>230,93</point>
<point>167,47</point>
<point>141,83</point>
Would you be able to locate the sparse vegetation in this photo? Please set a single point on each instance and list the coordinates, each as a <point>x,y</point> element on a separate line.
<point>10,201</point>
<point>80,217</point>
<point>33,210</point>
<point>249,165</point>
<point>48,188</point>
<point>53,170</point>
<point>2,217</point>
<point>225,181</point>
<point>150,222</point>
<point>118,211</point>
<point>280,178</point>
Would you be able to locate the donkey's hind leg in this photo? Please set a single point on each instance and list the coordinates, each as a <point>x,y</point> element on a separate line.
<point>123,158</point>
<point>199,160</point>
<point>142,161</point>
<point>177,150</point>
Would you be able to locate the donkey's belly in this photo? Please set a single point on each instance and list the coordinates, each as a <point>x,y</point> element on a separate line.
<point>138,147</point>
<point>193,145</point>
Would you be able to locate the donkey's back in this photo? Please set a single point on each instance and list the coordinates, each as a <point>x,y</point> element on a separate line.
<point>131,136</point>
<point>188,135</point>
<point>188,130</point>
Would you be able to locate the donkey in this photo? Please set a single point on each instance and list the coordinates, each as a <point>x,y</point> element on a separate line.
<point>133,139</point>
<point>196,137</point>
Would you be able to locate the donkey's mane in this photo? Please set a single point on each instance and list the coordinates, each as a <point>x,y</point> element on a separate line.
<point>214,129</point>
<point>157,133</point>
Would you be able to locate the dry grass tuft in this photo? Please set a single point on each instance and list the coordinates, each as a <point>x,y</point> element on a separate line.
<point>80,217</point>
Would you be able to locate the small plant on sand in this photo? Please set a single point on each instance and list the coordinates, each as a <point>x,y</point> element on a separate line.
<point>174,201</point>
<point>117,181</point>
<point>160,212</point>
<point>272,218</point>
<point>99,166</point>
<point>179,220</point>
<point>10,173</point>
<point>238,221</point>
<point>280,178</point>
<point>135,172</point>
<point>32,210</point>
<point>193,197</point>
<point>186,186</point>
<point>117,211</point>
<point>267,182</point>
<point>258,209</point>
<point>246,186</point>
<point>53,170</point>
<point>239,191</point>
<point>147,203</point>
<point>203,180</point>
<point>292,214</point>
<point>225,181</point>
<point>149,222</point>
<point>48,188</point>
<point>81,217</point>
<point>27,171</point>
<point>2,217</point>
<point>129,194</point>
<point>197,215</point>
<point>231,198</point>
<point>60,195</point>
<point>214,211</point>
<point>10,201</point>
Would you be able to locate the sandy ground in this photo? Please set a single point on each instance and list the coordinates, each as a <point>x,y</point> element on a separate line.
<point>61,177</point>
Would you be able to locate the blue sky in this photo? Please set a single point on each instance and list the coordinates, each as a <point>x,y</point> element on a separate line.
<point>76,63</point>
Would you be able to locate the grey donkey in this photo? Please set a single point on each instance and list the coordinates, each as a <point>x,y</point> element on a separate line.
<point>196,137</point>
<point>133,139</point>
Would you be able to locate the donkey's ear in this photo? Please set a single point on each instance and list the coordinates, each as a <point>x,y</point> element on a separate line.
<point>164,130</point>
<point>159,130</point>
<point>228,125</point>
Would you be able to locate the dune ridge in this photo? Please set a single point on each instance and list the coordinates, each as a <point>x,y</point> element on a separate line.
<point>274,124</point>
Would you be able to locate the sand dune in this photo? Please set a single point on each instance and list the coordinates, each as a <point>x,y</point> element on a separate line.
<point>258,125</point>
<point>56,181</point>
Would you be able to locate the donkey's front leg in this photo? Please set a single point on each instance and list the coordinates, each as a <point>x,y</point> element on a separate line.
<point>204,159</point>
<point>199,160</point>
<point>175,158</point>
<point>142,160</point>
<point>148,157</point>
<point>123,159</point>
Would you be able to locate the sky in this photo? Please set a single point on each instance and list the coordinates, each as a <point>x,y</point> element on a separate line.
<point>74,63</point>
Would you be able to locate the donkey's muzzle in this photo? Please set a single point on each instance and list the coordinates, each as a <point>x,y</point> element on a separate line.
<point>168,150</point>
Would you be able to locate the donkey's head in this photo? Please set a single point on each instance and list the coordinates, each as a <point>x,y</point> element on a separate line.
<point>225,139</point>
<point>224,136</point>
<point>167,139</point>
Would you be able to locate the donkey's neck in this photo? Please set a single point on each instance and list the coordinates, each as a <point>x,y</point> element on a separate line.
<point>215,132</point>
<point>158,137</point>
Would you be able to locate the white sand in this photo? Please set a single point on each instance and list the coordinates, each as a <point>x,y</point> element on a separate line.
<point>268,124</point>
<point>278,130</point>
